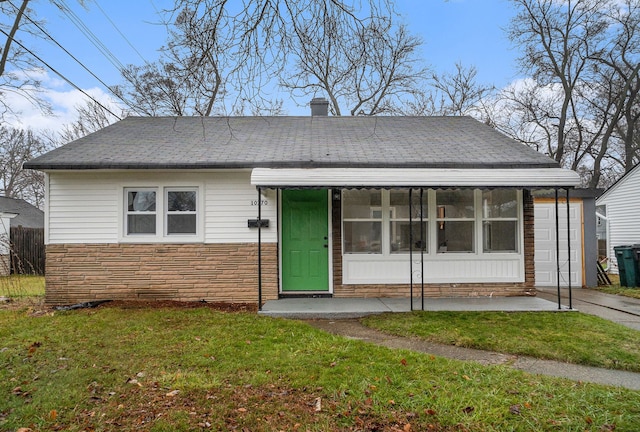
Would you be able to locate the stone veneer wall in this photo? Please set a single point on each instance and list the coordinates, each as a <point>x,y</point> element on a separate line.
<point>185,272</point>
<point>439,290</point>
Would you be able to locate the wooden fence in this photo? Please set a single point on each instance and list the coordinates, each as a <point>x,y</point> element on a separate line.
<point>27,250</point>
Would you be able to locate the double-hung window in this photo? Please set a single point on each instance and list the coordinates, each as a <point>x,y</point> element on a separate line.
<point>468,221</point>
<point>141,211</point>
<point>362,229</point>
<point>500,220</point>
<point>181,211</point>
<point>404,221</point>
<point>154,213</point>
<point>455,220</point>
<point>383,222</point>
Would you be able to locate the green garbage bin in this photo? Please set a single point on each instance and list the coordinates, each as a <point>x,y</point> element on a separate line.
<point>626,265</point>
<point>636,258</point>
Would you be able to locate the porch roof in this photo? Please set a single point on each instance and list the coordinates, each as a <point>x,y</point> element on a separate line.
<point>413,177</point>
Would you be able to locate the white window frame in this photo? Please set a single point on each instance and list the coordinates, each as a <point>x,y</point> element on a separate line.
<point>431,214</point>
<point>161,235</point>
<point>453,267</point>
<point>128,213</point>
<point>167,213</point>
<point>443,220</point>
<point>516,219</point>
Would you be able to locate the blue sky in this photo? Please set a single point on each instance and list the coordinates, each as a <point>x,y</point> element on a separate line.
<point>466,31</point>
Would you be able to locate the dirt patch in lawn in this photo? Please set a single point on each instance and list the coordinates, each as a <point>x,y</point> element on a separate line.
<point>242,408</point>
<point>171,304</point>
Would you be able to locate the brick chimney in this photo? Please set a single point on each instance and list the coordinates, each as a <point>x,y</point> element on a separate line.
<point>319,107</point>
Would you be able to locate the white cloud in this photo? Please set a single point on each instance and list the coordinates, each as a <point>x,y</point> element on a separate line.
<point>60,96</point>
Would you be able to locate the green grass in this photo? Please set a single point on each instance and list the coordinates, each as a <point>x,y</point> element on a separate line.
<point>112,369</point>
<point>569,337</point>
<point>616,289</point>
<point>21,286</point>
<point>623,291</point>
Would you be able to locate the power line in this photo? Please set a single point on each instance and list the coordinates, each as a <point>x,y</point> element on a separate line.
<point>118,30</point>
<point>67,80</point>
<point>77,21</point>
<point>72,56</point>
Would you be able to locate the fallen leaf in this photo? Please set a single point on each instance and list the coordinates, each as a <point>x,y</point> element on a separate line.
<point>527,405</point>
<point>242,410</point>
<point>318,405</point>
<point>588,419</point>
<point>468,410</point>
<point>430,412</point>
<point>53,415</point>
<point>24,430</point>
<point>392,402</point>
<point>133,381</point>
<point>173,393</point>
<point>332,364</point>
<point>466,377</point>
<point>407,427</point>
<point>514,409</point>
<point>403,362</point>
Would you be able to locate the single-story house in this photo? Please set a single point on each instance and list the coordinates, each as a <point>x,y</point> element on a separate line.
<point>619,214</point>
<point>249,209</point>
<point>16,213</point>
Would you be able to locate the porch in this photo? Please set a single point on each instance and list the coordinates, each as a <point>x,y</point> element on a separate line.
<point>337,308</point>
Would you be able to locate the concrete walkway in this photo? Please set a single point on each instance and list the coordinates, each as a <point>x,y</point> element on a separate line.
<point>341,308</point>
<point>620,309</point>
<point>352,328</point>
<point>337,316</point>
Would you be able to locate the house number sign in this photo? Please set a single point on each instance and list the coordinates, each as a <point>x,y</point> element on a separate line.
<point>261,202</point>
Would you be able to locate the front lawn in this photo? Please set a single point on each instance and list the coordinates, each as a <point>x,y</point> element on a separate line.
<point>565,336</point>
<point>21,286</point>
<point>165,369</point>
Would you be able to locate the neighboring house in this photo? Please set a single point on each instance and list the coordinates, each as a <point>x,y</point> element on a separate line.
<point>620,204</point>
<point>247,209</point>
<point>27,215</point>
<point>5,245</point>
<point>23,216</point>
<point>582,232</point>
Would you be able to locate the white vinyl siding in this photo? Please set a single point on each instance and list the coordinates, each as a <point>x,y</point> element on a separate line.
<point>622,203</point>
<point>82,208</point>
<point>441,268</point>
<point>88,207</point>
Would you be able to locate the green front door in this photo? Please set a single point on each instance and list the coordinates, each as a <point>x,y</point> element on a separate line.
<point>305,244</point>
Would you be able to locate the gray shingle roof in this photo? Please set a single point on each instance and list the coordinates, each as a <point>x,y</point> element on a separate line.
<point>303,142</point>
<point>29,216</point>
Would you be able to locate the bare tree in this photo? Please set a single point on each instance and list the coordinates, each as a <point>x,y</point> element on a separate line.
<point>452,93</point>
<point>581,106</point>
<point>16,147</point>
<point>91,117</point>
<point>17,67</point>
<point>558,39</point>
<point>221,57</point>
<point>365,70</point>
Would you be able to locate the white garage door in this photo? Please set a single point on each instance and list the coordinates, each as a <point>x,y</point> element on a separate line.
<point>545,241</point>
